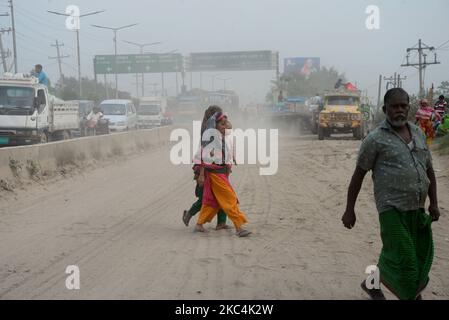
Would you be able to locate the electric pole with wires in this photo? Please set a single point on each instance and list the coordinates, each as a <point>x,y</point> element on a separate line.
<point>59,57</point>
<point>75,26</point>
<point>13,29</point>
<point>395,81</point>
<point>422,62</point>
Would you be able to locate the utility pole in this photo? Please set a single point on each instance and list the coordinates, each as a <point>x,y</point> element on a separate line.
<point>13,25</point>
<point>422,62</point>
<point>77,30</point>
<point>4,54</point>
<point>59,57</point>
<point>106,86</point>
<point>379,92</point>
<point>395,81</point>
<point>115,30</point>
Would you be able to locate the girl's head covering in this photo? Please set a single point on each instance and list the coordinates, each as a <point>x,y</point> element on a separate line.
<point>219,116</point>
<point>207,115</point>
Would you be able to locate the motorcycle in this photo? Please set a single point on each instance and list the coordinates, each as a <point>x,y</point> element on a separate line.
<point>95,128</point>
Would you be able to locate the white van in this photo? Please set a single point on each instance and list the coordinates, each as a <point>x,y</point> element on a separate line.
<point>121,114</point>
<point>152,112</point>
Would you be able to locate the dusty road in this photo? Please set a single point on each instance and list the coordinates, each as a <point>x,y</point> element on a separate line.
<point>121,225</point>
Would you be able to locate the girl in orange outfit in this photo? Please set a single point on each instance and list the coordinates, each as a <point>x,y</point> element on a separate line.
<point>218,192</point>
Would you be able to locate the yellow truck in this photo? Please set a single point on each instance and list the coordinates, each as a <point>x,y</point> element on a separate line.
<point>341,113</point>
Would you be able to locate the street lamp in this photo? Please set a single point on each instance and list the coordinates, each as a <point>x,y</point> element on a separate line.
<point>115,30</point>
<point>77,28</point>
<point>141,46</point>
<point>162,73</point>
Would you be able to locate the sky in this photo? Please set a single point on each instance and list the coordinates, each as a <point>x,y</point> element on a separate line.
<point>333,30</point>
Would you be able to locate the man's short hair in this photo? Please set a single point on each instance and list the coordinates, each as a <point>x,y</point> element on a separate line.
<point>39,66</point>
<point>393,92</point>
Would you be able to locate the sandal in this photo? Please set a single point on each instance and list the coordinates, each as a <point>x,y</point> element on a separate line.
<point>222,227</point>
<point>243,233</point>
<point>375,294</point>
<point>186,216</point>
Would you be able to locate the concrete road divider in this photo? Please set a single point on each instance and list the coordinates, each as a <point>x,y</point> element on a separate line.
<point>34,160</point>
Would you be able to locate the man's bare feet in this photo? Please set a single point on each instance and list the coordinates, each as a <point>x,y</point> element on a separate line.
<point>200,228</point>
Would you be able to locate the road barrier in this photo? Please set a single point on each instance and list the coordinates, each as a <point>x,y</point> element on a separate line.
<point>42,159</point>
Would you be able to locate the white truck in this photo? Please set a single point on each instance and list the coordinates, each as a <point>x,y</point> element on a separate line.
<point>152,112</point>
<point>29,114</point>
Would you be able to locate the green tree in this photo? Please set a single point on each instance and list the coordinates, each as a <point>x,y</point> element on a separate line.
<point>443,89</point>
<point>300,85</point>
<point>68,89</point>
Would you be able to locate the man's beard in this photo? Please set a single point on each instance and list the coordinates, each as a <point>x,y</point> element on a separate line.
<point>398,122</point>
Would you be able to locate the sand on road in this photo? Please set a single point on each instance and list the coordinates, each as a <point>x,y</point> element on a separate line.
<point>121,225</point>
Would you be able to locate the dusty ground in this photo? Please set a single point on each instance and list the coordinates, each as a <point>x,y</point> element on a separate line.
<point>121,225</point>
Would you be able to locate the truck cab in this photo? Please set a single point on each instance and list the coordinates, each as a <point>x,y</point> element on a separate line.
<point>341,114</point>
<point>29,114</point>
<point>152,112</point>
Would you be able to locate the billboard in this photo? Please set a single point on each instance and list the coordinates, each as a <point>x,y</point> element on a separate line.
<point>301,65</point>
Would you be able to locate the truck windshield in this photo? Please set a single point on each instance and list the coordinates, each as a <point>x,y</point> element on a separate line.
<point>149,110</point>
<point>342,101</point>
<point>16,98</point>
<point>113,109</point>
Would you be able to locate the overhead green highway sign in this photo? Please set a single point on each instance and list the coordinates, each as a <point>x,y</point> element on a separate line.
<point>232,61</point>
<point>138,63</point>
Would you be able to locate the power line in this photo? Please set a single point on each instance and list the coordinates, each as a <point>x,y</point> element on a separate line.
<point>395,81</point>
<point>13,26</point>
<point>441,45</point>
<point>59,57</point>
<point>4,54</point>
<point>422,62</point>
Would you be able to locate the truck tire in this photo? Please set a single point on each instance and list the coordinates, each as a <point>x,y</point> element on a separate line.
<point>321,133</point>
<point>66,135</point>
<point>358,133</point>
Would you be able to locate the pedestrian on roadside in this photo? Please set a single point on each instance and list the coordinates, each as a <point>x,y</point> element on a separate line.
<point>403,177</point>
